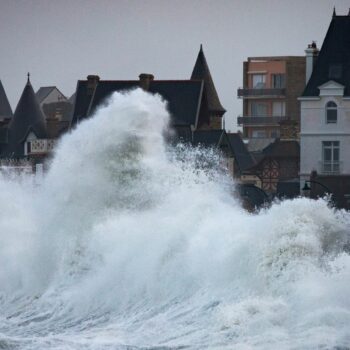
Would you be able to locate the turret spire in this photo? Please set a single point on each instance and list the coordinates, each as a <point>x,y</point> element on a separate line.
<point>334,14</point>
<point>28,117</point>
<point>201,72</point>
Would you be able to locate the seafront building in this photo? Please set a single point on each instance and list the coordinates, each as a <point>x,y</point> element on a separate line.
<point>193,103</point>
<point>27,137</point>
<point>325,117</point>
<point>271,86</point>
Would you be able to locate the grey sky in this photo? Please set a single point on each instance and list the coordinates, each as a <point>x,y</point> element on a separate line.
<point>62,41</point>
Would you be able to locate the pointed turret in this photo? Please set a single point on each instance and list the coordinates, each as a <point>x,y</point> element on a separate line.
<point>334,14</point>
<point>201,71</point>
<point>27,118</point>
<point>333,59</point>
<point>5,108</point>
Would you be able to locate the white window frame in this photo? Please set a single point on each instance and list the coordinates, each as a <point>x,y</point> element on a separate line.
<point>331,165</point>
<point>329,109</point>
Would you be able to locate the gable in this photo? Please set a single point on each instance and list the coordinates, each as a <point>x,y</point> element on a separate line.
<point>49,94</point>
<point>331,88</point>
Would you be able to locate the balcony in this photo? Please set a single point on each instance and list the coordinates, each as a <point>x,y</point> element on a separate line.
<point>40,146</point>
<point>260,121</point>
<point>330,167</point>
<point>261,93</point>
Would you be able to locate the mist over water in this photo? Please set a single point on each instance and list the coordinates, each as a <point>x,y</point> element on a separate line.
<point>132,244</point>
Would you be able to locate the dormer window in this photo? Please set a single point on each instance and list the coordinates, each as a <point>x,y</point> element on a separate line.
<point>331,112</point>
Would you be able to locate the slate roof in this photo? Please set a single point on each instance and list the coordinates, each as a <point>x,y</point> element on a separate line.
<point>241,154</point>
<point>280,149</point>
<point>28,117</point>
<point>209,138</point>
<point>183,97</point>
<point>72,99</point>
<point>277,149</point>
<point>333,62</point>
<point>44,91</point>
<point>201,71</point>
<point>5,108</point>
<point>3,135</point>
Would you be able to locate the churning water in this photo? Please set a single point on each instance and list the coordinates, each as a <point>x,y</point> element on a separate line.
<point>128,244</point>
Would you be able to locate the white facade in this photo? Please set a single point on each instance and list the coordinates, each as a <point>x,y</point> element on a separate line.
<point>325,132</point>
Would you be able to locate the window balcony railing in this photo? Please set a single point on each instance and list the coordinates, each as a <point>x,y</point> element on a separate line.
<point>260,121</point>
<point>40,146</point>
<point>330,167</point>
<point>262,92</point>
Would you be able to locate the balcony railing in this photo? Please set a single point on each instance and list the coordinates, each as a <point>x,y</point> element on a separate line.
<point>40,146</point>
<point>264,92</point>
<point>251,121</point>
<point>330,168</point>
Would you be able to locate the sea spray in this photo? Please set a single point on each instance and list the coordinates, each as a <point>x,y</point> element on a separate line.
<point>130,243</point>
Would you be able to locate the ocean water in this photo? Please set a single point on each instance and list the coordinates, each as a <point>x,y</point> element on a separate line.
<point>128,243</point>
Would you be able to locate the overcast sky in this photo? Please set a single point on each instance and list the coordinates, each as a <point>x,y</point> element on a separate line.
<point>61,41</point>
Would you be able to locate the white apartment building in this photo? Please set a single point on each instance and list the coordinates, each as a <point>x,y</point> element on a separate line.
<point>325,108</point>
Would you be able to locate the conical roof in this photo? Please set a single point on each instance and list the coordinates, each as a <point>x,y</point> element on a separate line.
<point>201,71</point>
<point>27,118</point>
<point>5,108</point>
<point>333,61</point>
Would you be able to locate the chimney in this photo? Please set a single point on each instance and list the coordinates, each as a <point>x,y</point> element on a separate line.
<point>92,81</point>
<point>311,56</point>
<point>145,80</point>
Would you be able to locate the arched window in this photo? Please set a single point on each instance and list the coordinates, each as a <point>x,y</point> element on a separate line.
<point>331,112</point>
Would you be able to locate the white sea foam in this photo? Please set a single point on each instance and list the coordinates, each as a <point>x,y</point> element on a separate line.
<point>130,244</point>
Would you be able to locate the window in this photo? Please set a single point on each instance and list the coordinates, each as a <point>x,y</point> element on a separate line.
<point>258,81</point>
<point>278,109</point>
<point>258,109</point>
<point>331,112</point>
<point>330,156</point>
<point>278,81</point>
